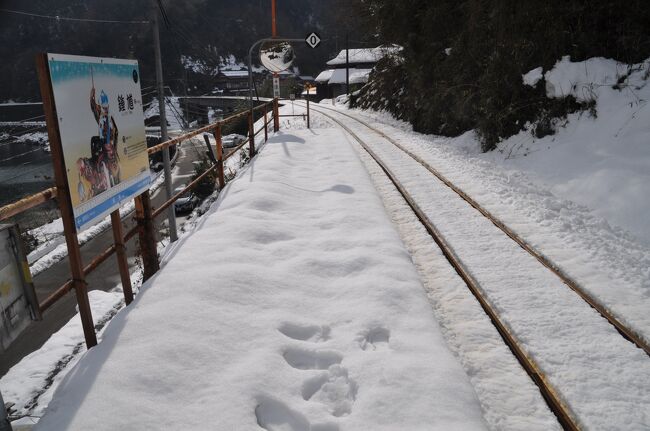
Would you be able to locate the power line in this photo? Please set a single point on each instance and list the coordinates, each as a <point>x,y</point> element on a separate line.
<point>7,179</point>
<point>20,155</point>
<point>183,34</point>
<point>63,18</point>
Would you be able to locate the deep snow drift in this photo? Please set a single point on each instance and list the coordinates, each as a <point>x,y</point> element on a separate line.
<point>292,306</point>
<point>601,162</point>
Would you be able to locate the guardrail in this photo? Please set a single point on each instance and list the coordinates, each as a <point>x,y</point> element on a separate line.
<point>144,216</point>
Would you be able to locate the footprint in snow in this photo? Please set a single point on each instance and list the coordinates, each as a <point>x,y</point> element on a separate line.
<point>375,338</point>
<point>274,415</point>
<point>334,389</point>
<point>311,333</point>
<point>303,359</point>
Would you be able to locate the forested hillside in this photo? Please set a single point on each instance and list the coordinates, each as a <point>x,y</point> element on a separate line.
<point>463,62</point>
<point>202,29</point>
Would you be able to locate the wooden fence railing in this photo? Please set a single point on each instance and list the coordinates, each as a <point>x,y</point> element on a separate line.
<point>144,216</point>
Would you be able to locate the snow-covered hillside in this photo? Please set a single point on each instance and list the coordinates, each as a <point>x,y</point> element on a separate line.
<point>601,161</point>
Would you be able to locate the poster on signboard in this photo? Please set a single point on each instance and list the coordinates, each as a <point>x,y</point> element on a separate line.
<point>99,109</point>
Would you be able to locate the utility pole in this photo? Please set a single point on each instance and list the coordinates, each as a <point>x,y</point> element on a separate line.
<point>274,34</point>
<point>274,28</point>
<point>171,215</point>
<point>347,63</point>
<point>187,110</point>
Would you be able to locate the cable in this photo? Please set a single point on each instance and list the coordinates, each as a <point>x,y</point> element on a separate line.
<point>21,154</point>
<point>25,120</point>
<point>184,34</point>
<point>6,180</point>
<point>62,18</point>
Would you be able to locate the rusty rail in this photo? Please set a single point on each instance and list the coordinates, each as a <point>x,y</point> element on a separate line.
<point>627,332</point>
<point>565,415</point>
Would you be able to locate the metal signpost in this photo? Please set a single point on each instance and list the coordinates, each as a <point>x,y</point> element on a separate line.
<point>18,303</point>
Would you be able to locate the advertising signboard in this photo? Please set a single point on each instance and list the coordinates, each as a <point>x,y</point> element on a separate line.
<point>101,122</point>
<point>17,295</point>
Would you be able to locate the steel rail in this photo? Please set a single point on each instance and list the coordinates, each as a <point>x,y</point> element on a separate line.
<point>558,406</point>
<point>627,333</point>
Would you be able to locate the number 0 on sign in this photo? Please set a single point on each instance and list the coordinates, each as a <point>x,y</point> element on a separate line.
<point>313,40</point>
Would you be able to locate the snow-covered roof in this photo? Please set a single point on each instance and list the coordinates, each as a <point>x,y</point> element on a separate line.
<point>306,77</point>
<point>364,55</point>
<point>234,73</point>
<point>325,75</point>
<point>357,76</point>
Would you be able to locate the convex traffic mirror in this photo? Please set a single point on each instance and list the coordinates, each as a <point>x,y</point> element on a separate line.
<point>277,56</point>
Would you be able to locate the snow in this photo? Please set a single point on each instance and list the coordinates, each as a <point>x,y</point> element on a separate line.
<point>51,241</point>
<point>12,103</point>
<point>229,62</point>
<point>173,111</point>
<point>40,137</point>
<point>587,79</point>
<point>364,55</point>
<point>23,123</point>
<point>226,63</point>
<point>325,75</point>
<point>607,261</point>
<point>235,73</point>
<point>587,361</point>
<point>533,77</point>
<point>356,76</point>
<point>602,163</point>
<point>197,65</point>
<point>31,383</point>
<point>303,311</point>
<point>337,76</point>
<point>509,399</point>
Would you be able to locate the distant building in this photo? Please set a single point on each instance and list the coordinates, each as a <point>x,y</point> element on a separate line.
<point>232,81</point>
<point>331,82</point>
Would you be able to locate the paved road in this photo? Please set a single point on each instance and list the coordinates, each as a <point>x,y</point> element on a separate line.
<point>105,277</point>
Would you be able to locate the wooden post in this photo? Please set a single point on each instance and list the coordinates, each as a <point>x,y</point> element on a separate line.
<point>146,235</point>
<point>276,115</point>
<point>274,28</point>
<point>251,134</point>
<point>220,175</point>
<point>308,108</point>
<point>266,126</point>
<point>120,254</point>
<point>65,204</point>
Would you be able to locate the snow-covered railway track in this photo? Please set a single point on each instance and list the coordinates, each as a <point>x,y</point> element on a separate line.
<point>573,355</point>
<point>625,331</point>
